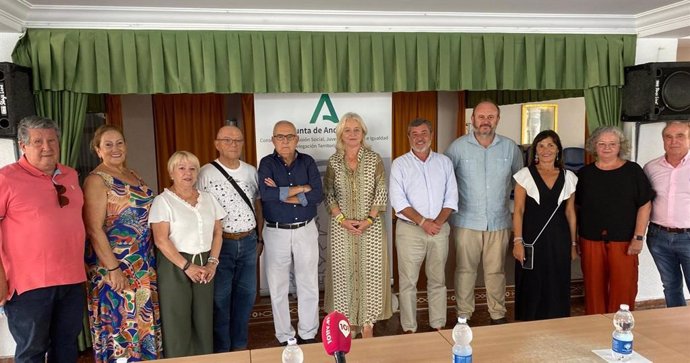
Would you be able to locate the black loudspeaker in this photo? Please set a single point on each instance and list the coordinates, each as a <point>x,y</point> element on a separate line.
<point>16,98</point>
<point>656,92</point>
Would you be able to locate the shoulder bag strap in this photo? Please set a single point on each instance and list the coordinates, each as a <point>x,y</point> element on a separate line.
<point>543,228</point>
<point>234,184</point>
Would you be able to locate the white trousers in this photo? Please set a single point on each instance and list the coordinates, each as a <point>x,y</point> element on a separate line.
<point>282,248</point>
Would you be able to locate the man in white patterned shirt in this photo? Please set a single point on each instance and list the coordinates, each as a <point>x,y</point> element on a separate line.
<point>235,281</point>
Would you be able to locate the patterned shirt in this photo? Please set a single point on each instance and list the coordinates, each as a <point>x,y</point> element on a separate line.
<point>240,217</point>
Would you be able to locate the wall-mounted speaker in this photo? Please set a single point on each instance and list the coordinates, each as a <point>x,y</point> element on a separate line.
<point>656,92</point>
<point>16,98</point>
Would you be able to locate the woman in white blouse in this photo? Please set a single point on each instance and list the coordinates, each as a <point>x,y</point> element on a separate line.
<point>187,231</point>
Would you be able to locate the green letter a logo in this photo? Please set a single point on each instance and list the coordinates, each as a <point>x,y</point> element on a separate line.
<point>331,116</point>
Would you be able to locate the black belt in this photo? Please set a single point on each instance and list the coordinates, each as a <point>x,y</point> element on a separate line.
<point>270,224</point>
<point>669,229</point>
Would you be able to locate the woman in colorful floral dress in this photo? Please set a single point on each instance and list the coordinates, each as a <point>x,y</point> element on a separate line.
<point>123,293</point>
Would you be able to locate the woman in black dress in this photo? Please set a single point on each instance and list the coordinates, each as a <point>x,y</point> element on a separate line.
<point>544,189</point>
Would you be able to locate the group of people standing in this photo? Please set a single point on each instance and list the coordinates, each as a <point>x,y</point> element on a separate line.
<point>175,274</point>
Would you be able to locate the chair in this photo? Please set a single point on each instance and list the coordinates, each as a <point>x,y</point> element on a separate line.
<point>573,158</point>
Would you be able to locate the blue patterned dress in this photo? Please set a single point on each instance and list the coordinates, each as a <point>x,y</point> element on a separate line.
<point>125,324</point>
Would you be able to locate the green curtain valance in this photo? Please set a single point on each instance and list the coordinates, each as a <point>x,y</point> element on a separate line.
<point>159,61</point>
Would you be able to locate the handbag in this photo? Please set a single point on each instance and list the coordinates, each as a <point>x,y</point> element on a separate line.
<point>528,261</point>
<point>239,191</point>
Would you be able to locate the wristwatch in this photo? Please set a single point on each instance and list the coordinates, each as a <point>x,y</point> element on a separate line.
<point>639,237</point>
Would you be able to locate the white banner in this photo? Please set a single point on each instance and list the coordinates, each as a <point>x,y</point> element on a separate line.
<point>315,116</point>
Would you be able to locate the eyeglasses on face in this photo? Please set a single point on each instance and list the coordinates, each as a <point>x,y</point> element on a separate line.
<point>607,145</point>
<point>281,138</point>
<point>231,141</point>
<point>62,198</point>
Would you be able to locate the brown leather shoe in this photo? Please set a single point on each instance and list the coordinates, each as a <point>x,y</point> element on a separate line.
<point>408,332</point>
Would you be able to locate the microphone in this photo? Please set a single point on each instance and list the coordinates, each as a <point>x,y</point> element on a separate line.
<point>335,335</point>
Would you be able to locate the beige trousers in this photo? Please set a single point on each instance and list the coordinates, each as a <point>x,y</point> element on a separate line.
<point>413,246</point>
<point>472,246</point>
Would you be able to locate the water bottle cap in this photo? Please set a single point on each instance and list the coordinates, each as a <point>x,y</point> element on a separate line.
<point>292,341</point>
<point>625,307</point>
<point>462,320</point>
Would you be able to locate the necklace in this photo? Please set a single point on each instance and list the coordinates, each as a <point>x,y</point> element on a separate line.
<point>188,196</point>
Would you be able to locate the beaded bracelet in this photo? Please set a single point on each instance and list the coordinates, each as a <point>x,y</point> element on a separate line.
<point>213,260</point>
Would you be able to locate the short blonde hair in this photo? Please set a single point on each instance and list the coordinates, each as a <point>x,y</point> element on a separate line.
<point>339,145</point>
<point>180,156</point>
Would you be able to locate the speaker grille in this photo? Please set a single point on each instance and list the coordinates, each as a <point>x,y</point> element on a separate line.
<point>676,91</point>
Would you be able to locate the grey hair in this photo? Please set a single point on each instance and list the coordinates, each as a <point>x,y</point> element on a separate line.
<point>34,122</point>
<point>675,122</point>
<point>419,122</point>
<point>591,144</point>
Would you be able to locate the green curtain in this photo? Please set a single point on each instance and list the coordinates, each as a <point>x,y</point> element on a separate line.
<point>503,97</point>
<point>169,61</point>
<point>68,109</point>
<point>603,106</point>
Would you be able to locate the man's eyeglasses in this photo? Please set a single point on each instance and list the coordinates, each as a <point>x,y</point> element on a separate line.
<point>231,141</point>
<point>61,190</point>
<point>281,138</point>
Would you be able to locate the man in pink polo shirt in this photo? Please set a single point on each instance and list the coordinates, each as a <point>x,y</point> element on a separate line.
<point>668,236</point>
<point>41,247</point>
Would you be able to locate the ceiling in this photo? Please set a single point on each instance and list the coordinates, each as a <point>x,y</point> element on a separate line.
<point>647,18</point>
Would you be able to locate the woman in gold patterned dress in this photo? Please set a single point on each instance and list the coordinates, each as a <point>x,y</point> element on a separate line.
<point>357,273</point>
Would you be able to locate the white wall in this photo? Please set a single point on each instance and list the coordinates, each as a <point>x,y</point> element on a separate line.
<point>447,119</point>
<point>7,42</point>
<point>648,147</point>
<point>571,121</point>
<point>137,124</point>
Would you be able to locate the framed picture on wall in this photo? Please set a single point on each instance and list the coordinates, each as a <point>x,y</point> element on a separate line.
<point>536,118</point>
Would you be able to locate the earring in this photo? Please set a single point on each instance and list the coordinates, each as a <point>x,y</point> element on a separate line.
<point>536,159</point>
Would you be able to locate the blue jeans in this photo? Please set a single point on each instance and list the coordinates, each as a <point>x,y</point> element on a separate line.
<point>234,294</point>
<point>671,253</point>
<point>46,320</point>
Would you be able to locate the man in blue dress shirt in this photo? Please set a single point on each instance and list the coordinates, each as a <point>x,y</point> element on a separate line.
<point>484,165</point>
<point>290,189</point>
<point>423,192</point>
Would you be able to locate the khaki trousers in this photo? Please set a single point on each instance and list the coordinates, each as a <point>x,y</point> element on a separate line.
<point>472,246</point>
<point>413,246</point>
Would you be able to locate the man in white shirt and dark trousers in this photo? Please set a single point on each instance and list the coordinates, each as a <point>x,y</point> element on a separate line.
<point>235,281</point>
<point>423,192</point>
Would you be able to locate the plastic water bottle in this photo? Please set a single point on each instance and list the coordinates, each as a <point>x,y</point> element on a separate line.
<point>292,352</point>
<point>2,311</point>
<point>462,336</point>
<point>622,343</point>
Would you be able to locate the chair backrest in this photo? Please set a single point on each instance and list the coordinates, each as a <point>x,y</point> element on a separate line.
<point>573,158</point>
